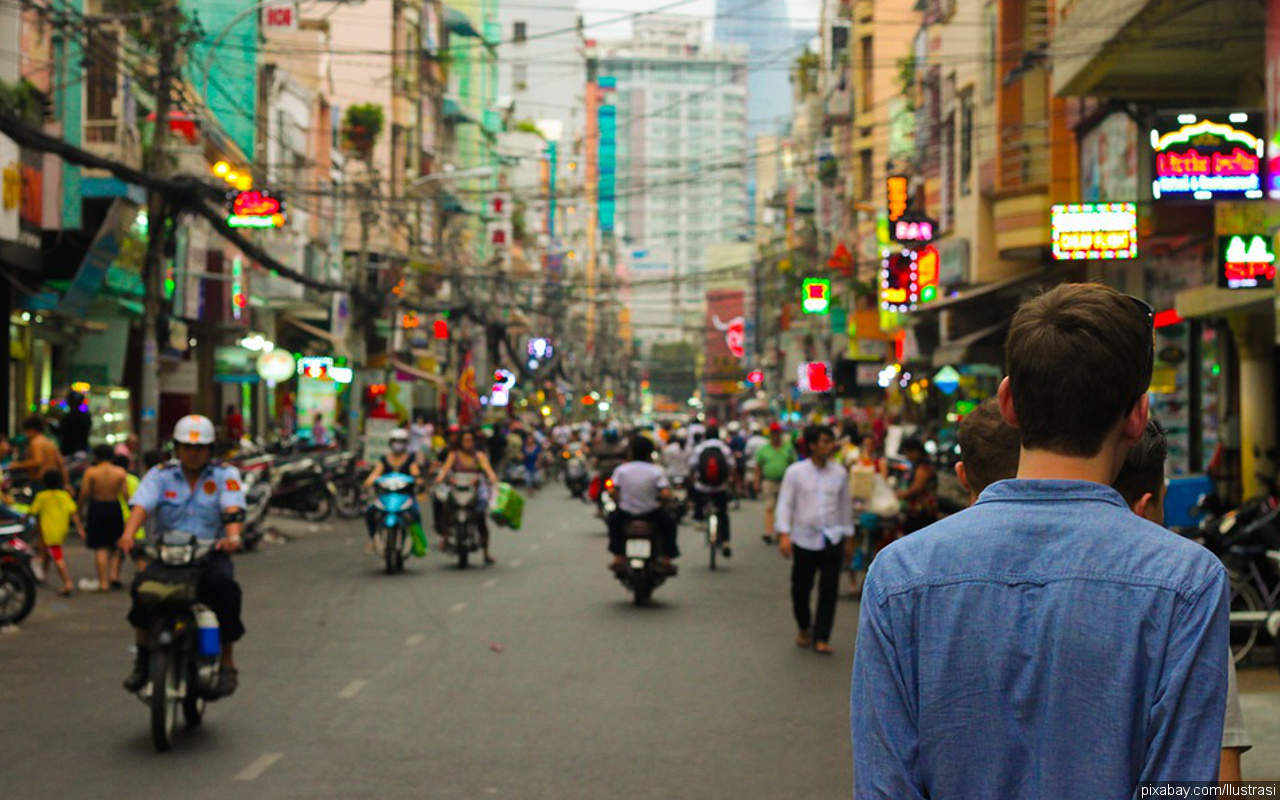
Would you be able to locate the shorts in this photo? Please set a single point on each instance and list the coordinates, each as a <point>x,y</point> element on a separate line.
<point>54,551</point>
<point>769,493</point>
<point>104,525</point>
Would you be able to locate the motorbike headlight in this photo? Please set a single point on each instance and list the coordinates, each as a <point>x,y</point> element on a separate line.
<point>175,555</point>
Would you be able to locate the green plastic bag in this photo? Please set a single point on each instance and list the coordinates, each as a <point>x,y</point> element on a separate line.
<point>418,540</point>
<point>507,506</point>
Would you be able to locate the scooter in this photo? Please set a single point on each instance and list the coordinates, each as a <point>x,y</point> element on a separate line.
<point>301,485</point>
<point>394,503</point>
<point>642,571</point>
<point>17,578</point>
<point>576,479</point>
<point>460,497</point>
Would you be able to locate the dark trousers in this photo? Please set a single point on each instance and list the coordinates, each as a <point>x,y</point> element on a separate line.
<point>618,520</point>
<point>804,563</point>
<point>217,589</point>
<point>720,504</point>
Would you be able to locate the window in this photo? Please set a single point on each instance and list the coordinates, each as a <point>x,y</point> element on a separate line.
<point>948,172</point>
<point>519,31</point>
<point>989,52</point>
<point>101,74</point>
<point>867,66</point>
<point>519,77</point>
<point>966,143</point>
<point>864,174</point>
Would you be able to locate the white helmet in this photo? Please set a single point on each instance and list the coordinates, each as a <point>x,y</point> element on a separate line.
<point>194,429</point>
<point>735,426</point>
<point>399,435</point>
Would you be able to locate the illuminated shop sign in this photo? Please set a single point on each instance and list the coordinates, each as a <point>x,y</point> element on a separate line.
<point>913,229</point>
<point>815,296</point>
<point>1246,261</point>
<point>1207,157</point>
<point>814,376</point>
<point>1094,231</point>
<point>255,208</point>
<point>896,195</point>
<point>908,278</point>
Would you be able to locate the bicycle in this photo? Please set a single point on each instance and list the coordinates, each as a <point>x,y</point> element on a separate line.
<point>713,523</point>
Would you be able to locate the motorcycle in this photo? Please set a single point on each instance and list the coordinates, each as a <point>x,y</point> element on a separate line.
<point>301,485</point>
<point>183,638</point>
<point>460,497</point>
<point>642,571</point>
<point>347,474</point>
<point>394,500</point>
<point>608,503</point>
<point>257,499</point>
<point>679,504</point>
<point>17,578</point>
<point>576,479</point>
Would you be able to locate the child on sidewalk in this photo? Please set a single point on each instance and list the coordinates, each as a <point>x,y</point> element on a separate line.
<point>54,510</point>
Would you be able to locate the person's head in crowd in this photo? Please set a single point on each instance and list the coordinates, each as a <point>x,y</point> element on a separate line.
<point>868,446</point>
<point>913,450</point>
<point>52,479</point>
<point>850,429</point>
<point>1141,479</point>
<point>33,424</point>
<point>821,441</point>
<point>121,461</point>
<point>1078,361</point>
<point>101,453</point>
<point>988,448</point>
<point>640,448</point>
<point>713,430</point>
<point>775,434</point>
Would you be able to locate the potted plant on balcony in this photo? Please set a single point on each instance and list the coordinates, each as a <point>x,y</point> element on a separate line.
<point>361,126</point>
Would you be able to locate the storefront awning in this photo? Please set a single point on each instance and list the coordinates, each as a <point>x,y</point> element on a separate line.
<point>985,346</point>
<point>453,113</point>
<point>1212,301</point>
<point>458,23</point>
<point>982,291</point>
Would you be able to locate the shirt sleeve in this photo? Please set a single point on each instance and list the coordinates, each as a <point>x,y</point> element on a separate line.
<point>1234,733</point>
<point>147,494</point>
<point>782,524</point>
<point>886,743</point>
<point>230,492</point>
<point>1185,730</point>
<point>844,506</point>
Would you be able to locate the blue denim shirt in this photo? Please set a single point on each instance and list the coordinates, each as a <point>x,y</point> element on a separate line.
<point>1045,643</point>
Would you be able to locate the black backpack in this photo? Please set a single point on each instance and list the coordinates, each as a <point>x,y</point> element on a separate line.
<point>713,467</point>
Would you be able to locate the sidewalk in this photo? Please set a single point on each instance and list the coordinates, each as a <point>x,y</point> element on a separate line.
<point>1260,700</point>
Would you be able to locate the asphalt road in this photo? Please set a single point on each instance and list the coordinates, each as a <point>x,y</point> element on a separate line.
<point>534,678</point>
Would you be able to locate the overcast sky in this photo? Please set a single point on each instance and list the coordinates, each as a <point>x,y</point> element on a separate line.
<point>803,14</point>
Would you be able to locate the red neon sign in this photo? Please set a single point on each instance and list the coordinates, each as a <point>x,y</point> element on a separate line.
<point>254,203</point>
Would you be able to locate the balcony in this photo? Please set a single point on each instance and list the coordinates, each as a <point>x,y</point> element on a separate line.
<point>1140,49</point>
<point>111,138</point>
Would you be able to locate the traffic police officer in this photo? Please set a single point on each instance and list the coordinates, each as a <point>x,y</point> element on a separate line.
<point>193,495</point>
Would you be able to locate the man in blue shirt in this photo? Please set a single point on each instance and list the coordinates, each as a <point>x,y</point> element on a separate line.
<point>1046,642</point>
<point>193,495</point>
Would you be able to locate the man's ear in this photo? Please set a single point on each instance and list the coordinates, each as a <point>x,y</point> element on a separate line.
<point>1135,422</point>
<point>1004,397</point>
<point>1140,507</point>
<point>963,476</point>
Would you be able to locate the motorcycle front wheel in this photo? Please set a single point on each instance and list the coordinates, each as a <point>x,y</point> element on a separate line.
<point>17,594</point>
<point>164,698</point>
<point>391,551</point>
<point>193,702</point>
<point>347,503</point>
<point>463,543</point>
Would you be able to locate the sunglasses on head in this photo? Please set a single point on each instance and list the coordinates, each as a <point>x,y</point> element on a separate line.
<point>1149,316</point>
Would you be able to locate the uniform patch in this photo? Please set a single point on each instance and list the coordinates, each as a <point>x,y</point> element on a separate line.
<point>233,485</point>
<point>171,495</point>
<point>210,487</point>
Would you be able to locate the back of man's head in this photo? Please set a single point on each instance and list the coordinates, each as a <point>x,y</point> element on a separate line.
<point>713,431</point>
<point>988,447</point>
<point>1141,479</point>
<point>1078,357</point>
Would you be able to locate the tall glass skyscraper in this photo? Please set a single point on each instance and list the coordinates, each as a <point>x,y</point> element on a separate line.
<point>757,23</point>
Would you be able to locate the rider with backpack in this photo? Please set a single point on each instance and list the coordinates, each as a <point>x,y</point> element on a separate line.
<point>712,466</point>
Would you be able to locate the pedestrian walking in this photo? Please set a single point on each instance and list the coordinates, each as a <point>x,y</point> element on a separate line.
<point>73,429</point>
<point>42,455</point>
<point>815,515</point>
<point>100,491</point>
<point>55,511</point>
<point>772,459</point>
<point>1081,649</point>
<point>233,420</point>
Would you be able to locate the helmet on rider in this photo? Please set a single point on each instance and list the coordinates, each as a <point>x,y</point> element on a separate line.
<point>398,441</point>
<point>734,426</point>
<point>194,429</point>
<point>611,435</point>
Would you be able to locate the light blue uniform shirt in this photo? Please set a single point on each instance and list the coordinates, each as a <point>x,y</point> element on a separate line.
<point>173,505</point>
<point>1045,643</point>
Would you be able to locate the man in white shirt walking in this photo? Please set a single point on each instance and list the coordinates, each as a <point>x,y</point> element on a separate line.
<point>815,514</point>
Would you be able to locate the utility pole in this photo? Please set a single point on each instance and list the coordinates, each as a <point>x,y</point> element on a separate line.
<point>157,227</point>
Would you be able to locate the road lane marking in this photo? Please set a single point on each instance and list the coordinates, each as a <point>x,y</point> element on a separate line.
<point>414,640</point>
<point>261,765</point>
<point>457,607</point>
<point>352,689</point>
<point>489,584</point>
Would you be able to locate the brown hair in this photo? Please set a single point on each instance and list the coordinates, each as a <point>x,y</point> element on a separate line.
<point>1143,469</point>
<point>988,446</point>
<point>1078,357</point>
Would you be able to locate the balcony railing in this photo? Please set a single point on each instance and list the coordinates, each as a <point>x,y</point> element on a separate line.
<point>110,138</point>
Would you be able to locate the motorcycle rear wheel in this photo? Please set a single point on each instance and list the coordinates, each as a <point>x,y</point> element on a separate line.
<point>713,536</point>
<point>391,551</point>
<point>347,504</point>
<point>164,699</point>
<point>322,510</point>
<point>17,594</point>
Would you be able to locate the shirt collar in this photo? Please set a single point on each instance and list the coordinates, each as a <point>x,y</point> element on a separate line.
<point>1014,490</point>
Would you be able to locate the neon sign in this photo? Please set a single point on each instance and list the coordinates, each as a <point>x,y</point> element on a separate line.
<point>1208,157</point>
<point>896,192</point>
<point>913,230</point>
<point>1246,261</point>
<point>256,208</point>
<point>908,278</point>
<point>815,296</point>
<point>814,376</point>
<point>1094,231</point>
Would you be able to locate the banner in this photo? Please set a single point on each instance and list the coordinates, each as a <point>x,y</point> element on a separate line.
<point>725,341</point>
